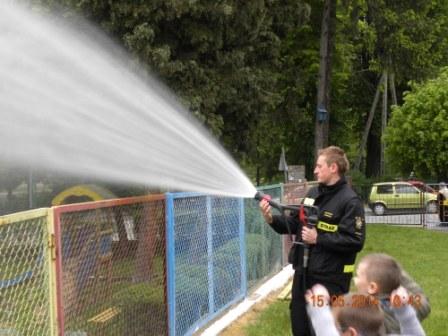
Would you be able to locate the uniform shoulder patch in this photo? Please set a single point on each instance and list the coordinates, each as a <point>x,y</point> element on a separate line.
<point>359,222</point>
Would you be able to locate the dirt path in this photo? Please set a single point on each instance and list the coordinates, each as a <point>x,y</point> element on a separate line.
<point>237,327</point>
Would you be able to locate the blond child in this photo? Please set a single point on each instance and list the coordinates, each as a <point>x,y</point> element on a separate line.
<point>378,275</point>
<point>357,314</point>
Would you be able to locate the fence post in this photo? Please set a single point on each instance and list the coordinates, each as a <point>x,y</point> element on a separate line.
<point>59,278</point>
<point>283,238</point>
<point>243,252</point>
<point>211,283</point>
<point>171,271</point>
<point>423,210</point>
<point>51,258</point>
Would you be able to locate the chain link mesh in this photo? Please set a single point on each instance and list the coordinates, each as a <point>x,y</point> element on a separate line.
<point>24,276</point>
<point>293,193</point>
<point>208,265</point>
<point>263,245</point>
<point>113,270</point>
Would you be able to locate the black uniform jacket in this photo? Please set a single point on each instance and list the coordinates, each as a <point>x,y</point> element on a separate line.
<point>340,228</point>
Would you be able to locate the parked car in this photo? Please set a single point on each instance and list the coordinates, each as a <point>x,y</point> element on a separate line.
<point>422,186</point>
<point>400,195</point>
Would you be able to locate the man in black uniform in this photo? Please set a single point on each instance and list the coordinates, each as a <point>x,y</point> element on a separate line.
<point>334,242</point>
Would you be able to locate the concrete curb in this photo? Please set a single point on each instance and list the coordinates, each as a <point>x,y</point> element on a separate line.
<point>277,281</point>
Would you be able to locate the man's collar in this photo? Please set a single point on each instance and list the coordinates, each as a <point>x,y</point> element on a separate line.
<point>329,188</point>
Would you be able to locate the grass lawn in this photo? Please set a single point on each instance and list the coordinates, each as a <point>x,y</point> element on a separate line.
<point>423,253</point>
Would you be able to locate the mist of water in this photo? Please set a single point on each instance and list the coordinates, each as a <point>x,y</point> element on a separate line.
<point>69,103</point>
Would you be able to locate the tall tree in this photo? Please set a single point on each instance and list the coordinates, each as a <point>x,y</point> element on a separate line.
<point>405,40</point>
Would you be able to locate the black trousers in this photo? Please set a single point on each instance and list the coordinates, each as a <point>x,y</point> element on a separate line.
<point>300,324</point>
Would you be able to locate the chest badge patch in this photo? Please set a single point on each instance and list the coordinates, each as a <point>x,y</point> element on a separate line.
<point>308,201</point>
<point>328,214</point>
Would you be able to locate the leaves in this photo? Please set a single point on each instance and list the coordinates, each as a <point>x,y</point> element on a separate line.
<point>416,137</point>
<point>248,69</point>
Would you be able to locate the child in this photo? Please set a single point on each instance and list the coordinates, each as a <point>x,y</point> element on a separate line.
<point>379,274</point>
<point>358,314</point>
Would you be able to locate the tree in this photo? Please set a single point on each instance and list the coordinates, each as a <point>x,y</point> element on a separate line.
<point>249,70</point>
<point>11,177</point>
<point>403,40</point>
<point>417,134</point>
<point>222,59</point>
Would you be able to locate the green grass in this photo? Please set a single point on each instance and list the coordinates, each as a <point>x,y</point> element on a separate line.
<point>423,253</point>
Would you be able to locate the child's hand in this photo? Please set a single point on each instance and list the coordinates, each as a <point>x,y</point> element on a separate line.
<point>399,297</point>
<point>317,296</point>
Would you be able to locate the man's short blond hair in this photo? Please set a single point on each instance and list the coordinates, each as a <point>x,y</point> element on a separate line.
<point>334,154</point>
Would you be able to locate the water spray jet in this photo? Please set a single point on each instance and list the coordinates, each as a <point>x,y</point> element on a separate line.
<point>72,104</point>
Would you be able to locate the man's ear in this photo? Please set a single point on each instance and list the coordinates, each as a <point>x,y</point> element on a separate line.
<point>350,332</point>
<point>334,167</point>
<point>372,288</point>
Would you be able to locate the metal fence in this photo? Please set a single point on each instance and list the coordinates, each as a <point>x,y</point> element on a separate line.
<point>409,204</point>
<point>293,193</point>
<point>111,269</point>
<point>206,258</point>
<point>153,265</point>
<point>405,205</point>
<point>26,275</point>
<point>264,247</point>
<point>221,249</point>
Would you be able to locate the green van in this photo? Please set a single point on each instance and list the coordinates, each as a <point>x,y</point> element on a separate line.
<point>400,195</point>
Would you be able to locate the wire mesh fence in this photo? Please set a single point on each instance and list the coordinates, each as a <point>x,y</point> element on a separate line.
<point>411,203</point>
<point>264,247</point>
<point>293,193</point>
<point>25,295</point>
<point>207,264</point>
<point>136,266</point>
<point>112,268</point>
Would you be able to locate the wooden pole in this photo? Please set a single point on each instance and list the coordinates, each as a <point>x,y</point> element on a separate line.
<point>366,132</point>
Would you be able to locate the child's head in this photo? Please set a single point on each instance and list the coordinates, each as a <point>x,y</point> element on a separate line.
<point>359,318</point>
<point>377,274</point>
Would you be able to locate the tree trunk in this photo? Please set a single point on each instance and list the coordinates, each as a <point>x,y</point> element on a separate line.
<point>323,89</point>
<point>383,123</point>
<point>366,132</point>
<point>372,167</point>
<point>393,91</point>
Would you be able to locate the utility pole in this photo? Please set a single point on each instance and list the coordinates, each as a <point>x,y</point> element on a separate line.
<point>323,88</point>
<point>365,134</point>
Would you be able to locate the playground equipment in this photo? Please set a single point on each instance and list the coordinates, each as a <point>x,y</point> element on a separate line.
<point>82,193</point>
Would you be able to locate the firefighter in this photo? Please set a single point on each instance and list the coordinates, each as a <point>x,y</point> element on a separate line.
<point>333,244</point>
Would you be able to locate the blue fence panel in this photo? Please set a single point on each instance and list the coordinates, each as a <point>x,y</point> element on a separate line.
<point>170,264</point>
<point>207,258</point>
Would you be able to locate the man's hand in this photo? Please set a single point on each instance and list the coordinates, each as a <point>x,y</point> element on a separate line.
<point>265,209</point>
<point>309,235</point>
